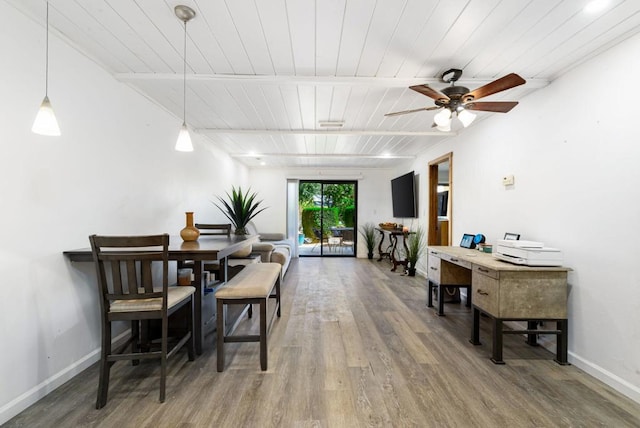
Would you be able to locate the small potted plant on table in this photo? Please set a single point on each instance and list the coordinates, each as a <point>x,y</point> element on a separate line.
<point>240,208</point>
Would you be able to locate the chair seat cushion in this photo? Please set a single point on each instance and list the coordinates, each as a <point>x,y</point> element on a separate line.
<point>254,281</point>
<point>175,295</point>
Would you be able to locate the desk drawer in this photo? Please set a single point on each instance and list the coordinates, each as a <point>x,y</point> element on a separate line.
<point>456,261</point>
<point>486,271</point>
<point>486,293</point>
<point>433,271</point>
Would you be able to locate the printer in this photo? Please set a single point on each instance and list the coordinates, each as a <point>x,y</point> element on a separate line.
<point>527,253</point>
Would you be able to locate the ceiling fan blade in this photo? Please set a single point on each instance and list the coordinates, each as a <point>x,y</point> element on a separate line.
<point>398,113</point>
<point>430,92</point>
<point>502,84</point>
<point>494,106</point>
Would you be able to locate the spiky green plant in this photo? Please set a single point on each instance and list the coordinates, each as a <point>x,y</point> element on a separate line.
<point>416,246</point>
<point>368,232</point>
<point>240,208</point>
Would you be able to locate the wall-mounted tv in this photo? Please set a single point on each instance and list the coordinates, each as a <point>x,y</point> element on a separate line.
<point>443,203</point>
<point>403,196</point>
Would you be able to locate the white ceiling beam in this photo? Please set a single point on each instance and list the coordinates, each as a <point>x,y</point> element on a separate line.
<point>214,131</point>
<point>318,155</point>
<point>387,82</point>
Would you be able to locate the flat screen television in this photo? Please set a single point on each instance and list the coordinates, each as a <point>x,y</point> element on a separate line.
<point>403,196</point>
<point>443,202</point>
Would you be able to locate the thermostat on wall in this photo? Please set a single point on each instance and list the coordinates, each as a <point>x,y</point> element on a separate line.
<point>508,180</point>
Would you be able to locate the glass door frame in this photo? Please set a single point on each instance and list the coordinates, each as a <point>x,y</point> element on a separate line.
<point>330,253</point>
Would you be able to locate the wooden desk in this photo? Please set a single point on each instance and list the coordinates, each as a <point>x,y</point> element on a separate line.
<point>206,248</point>
<point>508,292</point>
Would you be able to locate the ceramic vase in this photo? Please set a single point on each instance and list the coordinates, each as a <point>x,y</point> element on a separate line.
<point>190,232</point>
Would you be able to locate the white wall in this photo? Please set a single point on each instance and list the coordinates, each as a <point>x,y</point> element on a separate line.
<point>374,195</point>
<point>574,148</point>
<point>112,171</point>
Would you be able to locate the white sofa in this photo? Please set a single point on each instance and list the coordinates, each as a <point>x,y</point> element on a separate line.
<point>273,247</point>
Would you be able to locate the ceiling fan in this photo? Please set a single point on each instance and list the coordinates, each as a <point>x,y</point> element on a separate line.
<point>459,100</point>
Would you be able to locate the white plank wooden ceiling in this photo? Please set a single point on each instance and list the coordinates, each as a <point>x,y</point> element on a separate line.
<point>262,74</point>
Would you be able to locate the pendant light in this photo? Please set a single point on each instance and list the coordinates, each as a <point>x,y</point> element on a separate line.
<point>185,14</point>
<point>45,122</point>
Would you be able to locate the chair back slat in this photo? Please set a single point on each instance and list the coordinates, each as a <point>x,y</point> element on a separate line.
<point>116,277</point>
<point>132,275</point>
<point>214,229</point>
<point>135,263</point>
<point>146,278</point>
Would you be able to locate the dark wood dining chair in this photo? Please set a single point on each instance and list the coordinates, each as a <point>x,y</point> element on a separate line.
<point>214,229</point>
<point>133,283</point>
<point>207,229</point>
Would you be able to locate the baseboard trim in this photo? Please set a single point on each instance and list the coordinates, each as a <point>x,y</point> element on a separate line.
<point>605,376</point>
<point>622,386</point>
<point>22,402</point>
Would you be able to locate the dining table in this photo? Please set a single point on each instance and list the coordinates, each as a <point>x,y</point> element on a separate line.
<point>205,248</point>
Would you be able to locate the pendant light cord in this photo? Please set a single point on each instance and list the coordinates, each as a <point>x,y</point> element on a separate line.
<point>184,77</point>
<point>46,69</point>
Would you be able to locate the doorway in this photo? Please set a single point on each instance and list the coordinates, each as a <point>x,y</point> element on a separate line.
<point>440,200</point>
<point>328,218</point>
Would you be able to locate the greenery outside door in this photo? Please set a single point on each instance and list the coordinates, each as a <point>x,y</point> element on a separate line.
<point>328,218</point>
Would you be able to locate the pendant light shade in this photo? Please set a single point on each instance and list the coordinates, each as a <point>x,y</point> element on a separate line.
<point>185,14</point>
<point>184,140</point>
<point>45,122</point>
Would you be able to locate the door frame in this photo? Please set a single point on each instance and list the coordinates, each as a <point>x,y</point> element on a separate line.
<point>433,198</point>
<point>323,182</point>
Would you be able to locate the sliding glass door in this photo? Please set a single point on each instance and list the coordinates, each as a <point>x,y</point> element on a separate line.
<point>328,218</point>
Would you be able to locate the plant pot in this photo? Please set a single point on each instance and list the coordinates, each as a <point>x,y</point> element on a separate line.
<point>411,272</point>
<point>190,232</point>
<point>370,255</point>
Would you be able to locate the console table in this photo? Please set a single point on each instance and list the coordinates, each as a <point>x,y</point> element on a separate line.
<point>394,235</point>
<point>506,292</point>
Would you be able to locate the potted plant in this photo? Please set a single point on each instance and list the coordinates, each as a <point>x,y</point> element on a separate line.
<point>415,248</point>
<point>368,232</point>
<point>240,208</point>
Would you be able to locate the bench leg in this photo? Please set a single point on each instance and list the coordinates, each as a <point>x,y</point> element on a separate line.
<point>220,333</point>
<point>250,311</point>
<point>278,296</point>
<point>263,333</point>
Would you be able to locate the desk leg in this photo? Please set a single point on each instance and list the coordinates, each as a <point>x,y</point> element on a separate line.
<point>561,342</point>
<point>532,339</point>
<point>440,300</point>
<point>497,341</point>
<point>430,286</point>
<point>198,331</point>
<point>475,327</point>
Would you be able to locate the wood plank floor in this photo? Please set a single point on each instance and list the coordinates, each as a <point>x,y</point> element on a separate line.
<point>355,347</point>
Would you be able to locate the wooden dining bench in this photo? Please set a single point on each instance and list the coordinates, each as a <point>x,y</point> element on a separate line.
<point>256,283</point>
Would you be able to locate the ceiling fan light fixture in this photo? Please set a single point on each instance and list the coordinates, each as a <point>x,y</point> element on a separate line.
<point>443,118</point>
<point>444,128</point>
<point>466,117</point>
